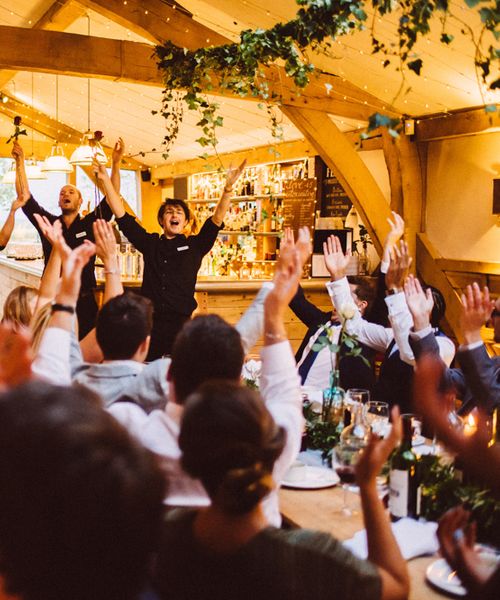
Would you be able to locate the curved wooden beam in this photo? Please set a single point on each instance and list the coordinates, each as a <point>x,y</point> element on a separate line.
<point>350,170</point>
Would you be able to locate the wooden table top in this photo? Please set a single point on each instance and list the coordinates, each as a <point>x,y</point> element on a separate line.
<point>320,510</point>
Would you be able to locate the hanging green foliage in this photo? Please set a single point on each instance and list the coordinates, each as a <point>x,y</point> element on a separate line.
<point>240,68</point>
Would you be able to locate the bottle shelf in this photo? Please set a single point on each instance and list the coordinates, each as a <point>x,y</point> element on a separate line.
<point>256,233</point>
<point>238,199</point>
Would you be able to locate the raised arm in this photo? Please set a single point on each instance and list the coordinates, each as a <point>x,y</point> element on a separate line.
<point>112,196</point>
<point>52,273</point>
<point>383,549</point>
<point>232,177</point>
<point>116,160</point>
<point>106,250</point>
<point>8,226</point>
<point>22,187</point>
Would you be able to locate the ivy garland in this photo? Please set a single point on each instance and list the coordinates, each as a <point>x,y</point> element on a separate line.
<point>239,67</point>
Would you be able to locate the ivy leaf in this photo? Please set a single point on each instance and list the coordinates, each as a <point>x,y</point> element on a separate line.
<point>490,108</point>
<point>415,65</point>
<point>447,38</point>
<point>495,85</point>
<point>472,3</point>
<point>202,141</point>
<point>154,112</point>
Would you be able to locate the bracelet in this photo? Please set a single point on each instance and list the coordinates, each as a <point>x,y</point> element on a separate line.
<point>110,271</point>
<point>277,337</point>
<point>227,191</point>
<point>393,291</point>
<point>63,308</point>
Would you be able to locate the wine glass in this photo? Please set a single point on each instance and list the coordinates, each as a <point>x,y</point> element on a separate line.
<point>357,395</point>
<point>345,456</point>
<point>376,415</point>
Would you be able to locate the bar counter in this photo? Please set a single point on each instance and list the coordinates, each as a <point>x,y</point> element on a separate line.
<point>227,297</point>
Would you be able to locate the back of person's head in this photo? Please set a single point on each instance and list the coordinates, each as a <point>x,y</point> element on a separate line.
<point>439,308</point>
<point>81,501</point>
<point>364,290</point>
<point>38,325</point>
<point>172,202</point>
<point>229,441</point>
<point>18,306</point>
<point>207,347</point>
<point>123,323</point>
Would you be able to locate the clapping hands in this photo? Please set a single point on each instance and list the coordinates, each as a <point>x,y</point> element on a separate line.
<point>336,261</point>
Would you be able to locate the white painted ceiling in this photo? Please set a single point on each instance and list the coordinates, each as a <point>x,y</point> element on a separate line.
<point>448,80</point>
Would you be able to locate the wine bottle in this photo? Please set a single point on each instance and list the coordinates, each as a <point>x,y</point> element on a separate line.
<point>404,492</point>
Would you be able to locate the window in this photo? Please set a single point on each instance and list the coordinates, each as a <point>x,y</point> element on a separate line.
<point>46,192</point>
<point>129,189</point>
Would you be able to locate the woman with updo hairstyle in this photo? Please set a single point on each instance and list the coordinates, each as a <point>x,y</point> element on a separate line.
<point>227,550</point>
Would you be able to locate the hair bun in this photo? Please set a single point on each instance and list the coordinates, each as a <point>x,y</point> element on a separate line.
<point>242,489</point>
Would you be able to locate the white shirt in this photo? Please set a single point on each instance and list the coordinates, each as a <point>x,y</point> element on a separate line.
<point>159,431</point>
<point>319,373</point>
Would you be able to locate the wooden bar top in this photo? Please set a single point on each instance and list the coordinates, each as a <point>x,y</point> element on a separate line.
<point>320,510</point>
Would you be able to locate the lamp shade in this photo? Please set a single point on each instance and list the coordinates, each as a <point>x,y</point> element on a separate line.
<point>33,171</point>
<point>57,162</point>
<point>84,155</point>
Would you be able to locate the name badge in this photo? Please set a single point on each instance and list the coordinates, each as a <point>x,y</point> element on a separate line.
<point>81,234</point>
<point>181,248</point>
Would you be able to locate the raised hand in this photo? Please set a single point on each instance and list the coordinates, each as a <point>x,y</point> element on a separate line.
<point>336,261</point>
<point>377,452</point>
<point>476,311</point>
<point>288,245</point>
<point>396,231</point>
<point>105,243</point>
<point>17,151</point>
<point>99,170</point>
<point>398,267</point>
<point>52,231</point>
<point>420,303</point>
<point>233,174</point>
<point>118,151</point>
<point>16,355</point>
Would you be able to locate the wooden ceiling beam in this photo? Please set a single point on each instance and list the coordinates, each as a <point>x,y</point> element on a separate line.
<point>60,15</point>
<point>456,124</point>
<point>53,129</point>
<point>78,55</point>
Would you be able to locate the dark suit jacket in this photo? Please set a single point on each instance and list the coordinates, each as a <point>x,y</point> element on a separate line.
<point>354,373</point>
<point>477,383</point>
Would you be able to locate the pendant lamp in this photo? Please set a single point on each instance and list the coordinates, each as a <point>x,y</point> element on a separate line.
<point>57,161</point>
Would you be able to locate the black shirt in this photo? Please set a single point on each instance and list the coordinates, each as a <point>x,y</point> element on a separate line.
<point>80,230</point>
<point>170,265</point>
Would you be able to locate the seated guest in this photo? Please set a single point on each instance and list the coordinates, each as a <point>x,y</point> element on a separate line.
<point>394,383</point>
<point>477,383</point>
<point>314,367</point>
<point>80,507</point>
<point>209,348</point>
<point>230,442</point>
<point>19,306</point>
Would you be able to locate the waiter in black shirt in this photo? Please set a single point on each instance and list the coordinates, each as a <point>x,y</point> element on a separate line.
<point>171,260</point>
<point>76,229</point>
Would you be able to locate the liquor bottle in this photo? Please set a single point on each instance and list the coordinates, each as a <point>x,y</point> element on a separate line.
<point>333,401</point>
<point>404,492</point>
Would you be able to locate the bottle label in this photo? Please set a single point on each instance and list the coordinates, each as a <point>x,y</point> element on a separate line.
<point>398,493</point>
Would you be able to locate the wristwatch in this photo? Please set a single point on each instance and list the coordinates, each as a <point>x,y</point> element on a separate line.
<point>63,308</point>
<point>393,291</point>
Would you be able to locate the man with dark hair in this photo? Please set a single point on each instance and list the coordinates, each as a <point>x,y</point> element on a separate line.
<point>171,260</point>
<point>76,229</point>
<point>123,332</point>
<point>315,367</point>
<point>81,501</point>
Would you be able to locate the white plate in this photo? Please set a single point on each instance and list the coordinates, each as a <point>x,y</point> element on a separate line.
<point>310,478</point>
<point>442,576</point>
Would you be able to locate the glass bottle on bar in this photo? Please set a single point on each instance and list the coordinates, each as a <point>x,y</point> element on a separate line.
<point>403,478</point>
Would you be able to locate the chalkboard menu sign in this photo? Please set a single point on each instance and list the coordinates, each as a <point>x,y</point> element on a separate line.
<point>334,201</point>
<point>299,203</point>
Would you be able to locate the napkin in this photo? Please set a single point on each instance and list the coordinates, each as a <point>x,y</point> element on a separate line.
<point>414,538</point>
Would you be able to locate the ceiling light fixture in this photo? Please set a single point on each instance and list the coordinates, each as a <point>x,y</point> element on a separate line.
<point>57,161</point>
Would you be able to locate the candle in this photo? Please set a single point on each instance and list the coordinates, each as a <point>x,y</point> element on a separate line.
<point>470,425</point>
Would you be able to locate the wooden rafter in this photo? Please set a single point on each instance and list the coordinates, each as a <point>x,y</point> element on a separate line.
<point>50,127</point>
<point>359,184</point>
<point>456,124</point>
<point>60,15</point>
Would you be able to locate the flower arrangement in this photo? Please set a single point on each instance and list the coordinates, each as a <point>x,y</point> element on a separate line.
<point>17,129</point>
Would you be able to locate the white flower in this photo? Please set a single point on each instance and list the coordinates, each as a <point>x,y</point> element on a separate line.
<point>347,311</point>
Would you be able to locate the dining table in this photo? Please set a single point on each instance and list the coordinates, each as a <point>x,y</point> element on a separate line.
<point>321,509</point>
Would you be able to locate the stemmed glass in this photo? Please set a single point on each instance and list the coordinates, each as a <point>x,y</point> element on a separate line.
<point>345,456</point>
<point>376,415</point>
<point>359,395</point>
